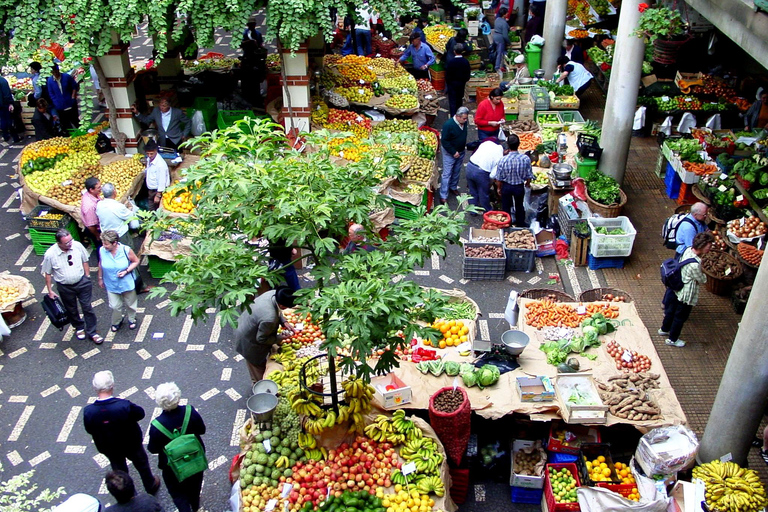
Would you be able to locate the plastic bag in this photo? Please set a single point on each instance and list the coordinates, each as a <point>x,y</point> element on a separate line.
<point>666,450</point>
<point>511,311</point>
<point>639,120</point>
<point>714,122</point>
<point>686,123</point>
<point>198,123</point>
<point>666,126</point>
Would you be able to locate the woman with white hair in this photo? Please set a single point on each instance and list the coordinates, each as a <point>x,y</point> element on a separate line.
<point>185,494</point>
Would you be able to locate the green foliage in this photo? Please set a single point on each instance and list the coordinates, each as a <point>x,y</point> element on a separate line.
<point>252,185</point>
<point>660,23</point>
<point>19,494</point>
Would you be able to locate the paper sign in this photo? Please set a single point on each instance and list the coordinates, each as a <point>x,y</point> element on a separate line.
<point>270,505</point>
<point>409,468</point>
<point>455,383</point>
<point>739,197</point>
<point>287,488</point>
<point>626,356</point>
<point>267,445</point>
<point>581,310</point>
<point>158,335</point>
<point>665,98</point>
<point>361,81</point>
<point>688,99</point>
<point>727,271</point>
<point>728,456</point>
<point>723,176</point>
<point>341,154</point>
<point>329,492</point>
<point>298,327</point>
<point>722,188</point>
<point>428,97</point>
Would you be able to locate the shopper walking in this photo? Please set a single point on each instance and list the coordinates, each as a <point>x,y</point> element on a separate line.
<point>44,121</point>
<point>490,115</point>
<point>513,175</point>
<point>501,38</point>
<point>185,494</point>
<point>363,29</point>
<point>457,74</point>
<point>91,197</point>
<point>690,226</point>
<point>114,425</point>
<point>461,37</point>
<point>66,263</point>
<point>120,485</point>
<point>62,90</point>
<point>453,143</point>
<point>116,266</point>
<point>577,75</point>
<point>157,176</point>
<point>678,305</point>
<point>421,55</point>
<point>482,164</point>
<point>6,109</point>
<point>257,331</point>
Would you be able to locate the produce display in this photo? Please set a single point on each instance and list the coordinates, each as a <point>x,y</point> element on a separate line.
<point>208,64</point>
<point>396,126</point>
<point>521,126</point>
<point>747,227</point>
<point>484,251</point>
<point>382,66</point>
<point>438,36</point>
<point>557,350</point>
<point>403,102</point>
<point>545,313</point>
<point>563,485</point>
<point>306,332</point>
<point>178,199</point>
<point>356,68</point>
<point>719,264</point>
<point>603,189</point>
<point>540,178</point>
<point>522,239</point>
<point>601,230</point>
<point>8,294</point>
<point>529,141</point>
<point>702,169</point>
<point>627,359</point>
<point>750,253</point>
<point>543,119</point>
<point>627,396</point>
<point>454,332</point>
<point>449,400</point>
<point>427,144</point>
<point>609,297</point>
<point>420,169</point>
<point>598,469</point>
<point>359,94</point>
<point>730,488</point>
<point>403,84</point>
<point>530,461</point>
<point>625,474</point>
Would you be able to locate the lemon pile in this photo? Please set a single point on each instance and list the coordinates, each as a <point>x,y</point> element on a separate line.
<point>404,501</point>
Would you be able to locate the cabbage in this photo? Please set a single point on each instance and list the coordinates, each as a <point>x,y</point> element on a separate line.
<point>548,347</point>
<point>590,338</point>
<point>466,368</point>
<point>469,379</point>
<point>452,368</point>
<point>488,375</point>
<point>579,344</point>
<point>588,322</point>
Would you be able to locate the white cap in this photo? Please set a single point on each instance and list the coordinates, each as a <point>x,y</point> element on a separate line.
<point>520,59</point>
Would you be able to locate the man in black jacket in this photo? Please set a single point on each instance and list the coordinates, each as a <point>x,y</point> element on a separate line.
<point>457,74</point>
<point>114,425</point>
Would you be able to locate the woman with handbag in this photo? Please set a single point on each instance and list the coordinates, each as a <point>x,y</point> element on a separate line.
<point>117,266</point>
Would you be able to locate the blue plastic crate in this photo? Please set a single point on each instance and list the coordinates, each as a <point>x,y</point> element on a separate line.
<point>598,263</point>
<point>525,495</point>
<point>561,458</point>
<point>672,181</point>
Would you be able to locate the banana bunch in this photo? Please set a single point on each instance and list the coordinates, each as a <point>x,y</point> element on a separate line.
<point>431,484</point>
<point>316,426</point>
<point>317,454</point>
<point>307,441</point>
<point>423,453</point>
<point>306,404</point>
<point>730,487</point>
<point>286,354</point>
<point>358,396</point>
<point>396,430</point>
<point>283,462</point>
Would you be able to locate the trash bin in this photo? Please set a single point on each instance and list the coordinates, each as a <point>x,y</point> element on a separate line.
<point>533,57</point>
<point>584,165</point>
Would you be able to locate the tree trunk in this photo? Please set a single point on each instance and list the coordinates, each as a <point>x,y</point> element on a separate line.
<point>119,136</point>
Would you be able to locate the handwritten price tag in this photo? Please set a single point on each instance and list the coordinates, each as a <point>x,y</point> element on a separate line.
<point>739,198</point>
<point>409,468</point>
<point>581,310</point>
<point>267,445</point>
<point>723,176</point>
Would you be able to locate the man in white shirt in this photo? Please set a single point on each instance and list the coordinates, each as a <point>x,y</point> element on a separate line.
<point>114,215</point>
<point>66,263</point>
<point>157,176</point>
<point>482,164</point>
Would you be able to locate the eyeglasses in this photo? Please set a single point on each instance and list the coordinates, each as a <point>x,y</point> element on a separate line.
<point>69,260</point>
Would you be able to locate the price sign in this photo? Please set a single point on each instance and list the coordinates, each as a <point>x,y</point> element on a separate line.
<point>287,488</point>
<point>361,81</point>
<point>665,98</point>
<point>66,183</point>
<point>455,383</point>
<point>626,356</point>
<point>727,271</point>
<point>267,445</point>
<point>722,188</point>
<point>581,310</point>
<point>723,176</point>
<point>740,197</point>
<point>361,91</point>
<point>341,154</point>
<point>428,97</point>
<point>727,457</point>
<point>270,506</point>
<point>409,468</point>
<point>688,99</point>
<point>383,39</point>
<point>358,119</point>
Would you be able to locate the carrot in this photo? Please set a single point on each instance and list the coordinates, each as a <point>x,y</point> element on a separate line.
<point>700,169</point>
<point>528,140</point>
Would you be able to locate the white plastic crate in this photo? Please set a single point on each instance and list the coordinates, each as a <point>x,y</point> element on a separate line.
<point>611,246</point>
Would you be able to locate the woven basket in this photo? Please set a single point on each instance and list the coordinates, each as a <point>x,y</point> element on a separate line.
<point>700,195</point>
<point>596,294</point>
<point>610,211</point>
<point>718,285</point>
<point>542,293</point>
<point>683,208</point>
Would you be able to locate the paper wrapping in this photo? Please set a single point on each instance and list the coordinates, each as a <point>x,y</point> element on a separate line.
<point>26,291</point>
<point>382,219</point>
<point>169,250</point>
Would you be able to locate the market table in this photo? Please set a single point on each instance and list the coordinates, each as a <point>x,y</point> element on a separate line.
<point>503,398</point>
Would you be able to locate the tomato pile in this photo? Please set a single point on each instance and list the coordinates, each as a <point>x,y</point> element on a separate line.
<point>309,335</point>
<point>628,359</point>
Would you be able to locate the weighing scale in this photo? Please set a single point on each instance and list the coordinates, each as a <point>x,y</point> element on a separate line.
<point>561,175</point>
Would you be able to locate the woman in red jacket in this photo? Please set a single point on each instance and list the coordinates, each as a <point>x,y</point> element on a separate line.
<point>490,115</point>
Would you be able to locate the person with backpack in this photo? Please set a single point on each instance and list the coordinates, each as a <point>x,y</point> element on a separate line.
<point>683,288</point>
<point>690,226</point>
<point>175,436</point>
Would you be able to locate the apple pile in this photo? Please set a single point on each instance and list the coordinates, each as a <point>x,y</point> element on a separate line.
<point>361,466</point>
<point>306,333</point>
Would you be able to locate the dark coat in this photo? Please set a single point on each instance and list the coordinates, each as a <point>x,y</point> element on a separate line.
<point>173,420</point>
<point>257,331</point>
<point>43,126</point>
<point>114,425</point>
<point>453,137</point>
<point>458,72</point>
<point>61,97</point>
<point>180,125</point>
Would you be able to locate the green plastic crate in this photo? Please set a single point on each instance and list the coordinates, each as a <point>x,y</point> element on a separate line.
<point>159,267</point>
<point>227,118</point>
<point>407,210</point>
<point>209,109</point>
<point>42,240</point>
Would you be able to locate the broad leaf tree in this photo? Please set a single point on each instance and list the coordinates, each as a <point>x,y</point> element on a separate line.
<point>251,186</point>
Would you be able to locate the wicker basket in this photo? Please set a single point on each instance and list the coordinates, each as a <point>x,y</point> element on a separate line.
<point>683,208</point>
<point>720,286</point>
<point>607,212</point>
<point>716,220</point>
<point>596,294</point>
<point>542,293</point>
<point>700,195</point>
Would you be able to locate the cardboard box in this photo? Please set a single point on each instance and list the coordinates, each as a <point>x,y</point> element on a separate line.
<point>496,234</point>
<point>535,389</point>
<point>578,413</point>
<point>545,242</point>
<point>530,482</point>
<point>687,496</point>
<point>395,397</point>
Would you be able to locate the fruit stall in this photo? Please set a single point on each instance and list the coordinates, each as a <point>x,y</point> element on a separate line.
<point>53,172</point>
<point>14,290</point>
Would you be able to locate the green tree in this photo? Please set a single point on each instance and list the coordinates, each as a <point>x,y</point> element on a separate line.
<point>250,184</point>
<point>19,494</point>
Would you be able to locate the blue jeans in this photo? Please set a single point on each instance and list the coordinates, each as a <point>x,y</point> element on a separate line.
<point>501,52</point>
<point>349,47</point>
<point>479,183</point>
<point>482,135</point>
<point>451,172</point>
<point>363,42</point>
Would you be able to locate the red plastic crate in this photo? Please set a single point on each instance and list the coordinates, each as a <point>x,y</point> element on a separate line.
<point>459,485</point>
<point>553,506</point>
<point>686,194</point>
<point>554,445</point>
<point>623,489</point>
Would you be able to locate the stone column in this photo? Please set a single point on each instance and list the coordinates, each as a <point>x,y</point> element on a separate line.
<point>120,74</point>
<point>554,33</point>
<point>741,399</point>
<point>296,87</point>
<point>620,104</point>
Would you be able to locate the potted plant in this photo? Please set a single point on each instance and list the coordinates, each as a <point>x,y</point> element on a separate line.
<point>664,29</point>
<point>472,14</point>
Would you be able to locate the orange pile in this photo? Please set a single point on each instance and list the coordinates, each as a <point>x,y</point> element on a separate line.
<point>454,333</point>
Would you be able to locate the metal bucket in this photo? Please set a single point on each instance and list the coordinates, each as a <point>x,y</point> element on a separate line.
<point>539,73</point>
<point>514,342</point>
<point>265,386</point>
<point>262,406</point>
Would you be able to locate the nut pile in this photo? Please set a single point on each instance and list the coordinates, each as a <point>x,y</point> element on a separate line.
<point>449,400</point>
<point>519,240</point>
<point>484,251</point>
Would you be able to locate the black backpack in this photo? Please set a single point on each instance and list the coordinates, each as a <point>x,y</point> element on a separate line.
<point>55,311</point>
<point>671,273</point>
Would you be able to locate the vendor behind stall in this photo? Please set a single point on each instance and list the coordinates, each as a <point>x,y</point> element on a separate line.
<point>521,69</point>
<point>757,115</point>
<point>422,57</point>
<point>172,125</point>
<point>572,51</point>
<point>577,75</point>
<point>157,175</point>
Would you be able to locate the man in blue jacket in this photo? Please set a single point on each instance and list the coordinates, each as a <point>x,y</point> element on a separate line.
<point>114,425</point>
<point>6,108</point>
<point>62,89</point>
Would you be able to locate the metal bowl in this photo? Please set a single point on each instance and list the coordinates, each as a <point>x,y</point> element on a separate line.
<point>525,80</point>
<point>539,73</point>
<point>515,342</point>
<point>262,406</point>
<point>562,171</point>
<point>265,386</point>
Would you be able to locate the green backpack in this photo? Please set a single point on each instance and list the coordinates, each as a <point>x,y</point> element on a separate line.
<point>186,456</point>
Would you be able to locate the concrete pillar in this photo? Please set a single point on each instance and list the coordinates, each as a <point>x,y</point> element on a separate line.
<point>622,93</point>
<point>741,398</point>
<point>554,33</point>
<point>296,88</point>
<point>119,74</point>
